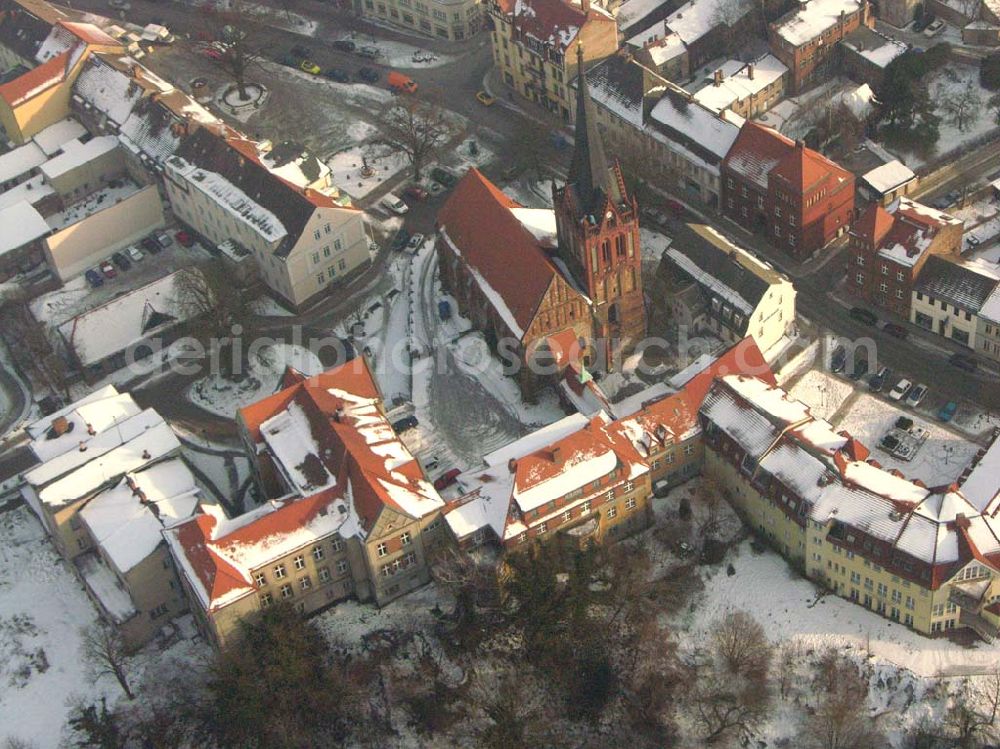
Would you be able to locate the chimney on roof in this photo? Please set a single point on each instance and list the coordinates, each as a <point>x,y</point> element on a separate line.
<point>717,78</point>
<point>90,429</point>
<point>141,495</point>
<point>512,465</point>
<point>146,455</point>
<point>750,71</point>
<point>843,15</point>
<point>585,6</point>
<point>83,446</point>
<point>338,414</point>
<point>60,426</point>
<point>800,144</point>
<point>556,453</point>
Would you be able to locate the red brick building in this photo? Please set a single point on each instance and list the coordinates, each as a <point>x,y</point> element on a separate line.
<point>799,198</point>
<point>533,275</point>
<point>805,39</point>
<point>889,247</point>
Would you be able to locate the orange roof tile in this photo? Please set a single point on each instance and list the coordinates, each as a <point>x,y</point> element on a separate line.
<point>36,80</point>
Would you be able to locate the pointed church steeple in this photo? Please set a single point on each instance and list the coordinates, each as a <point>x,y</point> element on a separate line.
<point>589,176</point>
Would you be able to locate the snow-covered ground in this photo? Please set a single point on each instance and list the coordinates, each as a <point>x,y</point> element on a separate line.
<point>224,397</point>
<point>269,307</point>
<point>42,610</point>
<point>347,168</point>
<point>823,393</point>
<point>399,54</point>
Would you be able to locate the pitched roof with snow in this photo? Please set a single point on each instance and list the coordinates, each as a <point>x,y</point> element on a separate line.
<point>342,464</point>
<point>484,228</point>
<point>903,231</point>
<point>919,533</point>
<point>708,135</point>
<point>888,177</point>
<point>79,422</point>
<point>696,18</point>
<point>131,318</point>
<point>552,22</point>
<point>962,285</point>
<point>740,80</point>
<point>22,224</point>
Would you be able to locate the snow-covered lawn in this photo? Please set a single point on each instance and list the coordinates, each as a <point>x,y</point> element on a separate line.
<point>42,609</point>
<point>224,397</point>
<point>822,392</point>
<point>942,458</point>
<point>269,307</point>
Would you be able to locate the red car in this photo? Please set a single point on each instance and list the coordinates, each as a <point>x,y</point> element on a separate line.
<point>675,206</point>
<point>184,239</point>
<point>211,53</point>
<point>415,192</point>
<point>446,479</point>
<point>108,270</point>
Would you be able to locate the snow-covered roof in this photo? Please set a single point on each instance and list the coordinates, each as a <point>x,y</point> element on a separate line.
<point>20,160</point>
<point>966,286</point>
<point>709,131</point>
<point>22,224</point>
<point>541,222</point>
<point>106,588</point>
<point>877,49</point>
<point>127,520</point>
<point>811,19</point>
<point>833,481</point>
<point>76,154</point>
<point>632,12</point>
<point>236,202</point>
<point>52,139</point>
<point>107,458</point>
<point>740,80</point>
<point>991,307</point>
<point>80,422</point>
<point>31,191</point>
<point>696,18</point>
<point>981,485</point>
<point>131,318</point>
<point>888,177</point>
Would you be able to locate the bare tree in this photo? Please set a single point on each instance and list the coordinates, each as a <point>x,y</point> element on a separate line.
<point>742,646</point>
<point>35,350</point>
<point>105,651</point>
<point>963,107</point>
<point>724,706</point>
<point>788,655</point>
<point>840,720</point>
<point>994,103</point>
<point>241,52</point>
<point>416,126</point>
<point>971,717</point>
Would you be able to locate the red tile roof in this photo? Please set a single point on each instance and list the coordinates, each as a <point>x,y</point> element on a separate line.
<point>554,21</point>
<point>756,150</point>
<point>477,219</point>
<point>804,169</point>
<point>88,33</point>
<point>36,80</point>
<point>874,224</point>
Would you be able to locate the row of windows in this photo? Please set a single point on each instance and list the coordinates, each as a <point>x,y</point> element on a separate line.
<point>305,583</point>
<point>611,513</point>
<point>298,562</point>
<point>955,311</point>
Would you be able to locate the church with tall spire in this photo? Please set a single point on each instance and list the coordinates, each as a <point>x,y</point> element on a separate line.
<point>597,229</point>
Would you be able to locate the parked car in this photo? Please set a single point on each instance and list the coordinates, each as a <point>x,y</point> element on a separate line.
<point>120,260</point>
<point>915,396</point>
<point>212,53</point>
<point>400,83</point>
<point>443,177</point>
<point>947,411</point>
<point>150,245</point>
<point>369,75</point>
<point>935,28</point>
<point>896,331</point>
<point>399,241</point>
<point>655,215</point>
<point>415,192</point>
<point>444,309</point>
<point>963,362</point>
<point>900,390</point>
<point>860,369</point>
<point>838,360</point>
<point>94,278</point>
<point>344,45</point>
<point>878,380</point>
<point>395,204</point>
<point>407,422</point>
<point>447,479</point>
<point>308,66</point>
<point>432,463</point>
<point>485,99</point>
<point>923,22</point>
<point>108,270</point>
<point>416,240</point>
<point>371,53</point>
<point>184,239</point>
<point>163,239</point>
<point>338,74</point>
<point>136,254</point>
<point>863,315</point>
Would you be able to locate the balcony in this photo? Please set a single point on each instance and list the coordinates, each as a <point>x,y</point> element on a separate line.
<point>988,632</point>
<point>968,596</point>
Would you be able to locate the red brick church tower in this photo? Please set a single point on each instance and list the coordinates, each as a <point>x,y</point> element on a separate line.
<point>598,231</point>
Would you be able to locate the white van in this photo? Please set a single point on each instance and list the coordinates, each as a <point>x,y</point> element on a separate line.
<point>395,204</point>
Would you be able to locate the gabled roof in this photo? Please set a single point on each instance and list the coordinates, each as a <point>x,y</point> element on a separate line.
<point>36,80</point>
<point>506,259</point>
<point>553,22</point>
<point>874,224</point>
<point>959,285</point>
<point>88,33</point>
<point>804,169</point>
<point>756,151</point>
